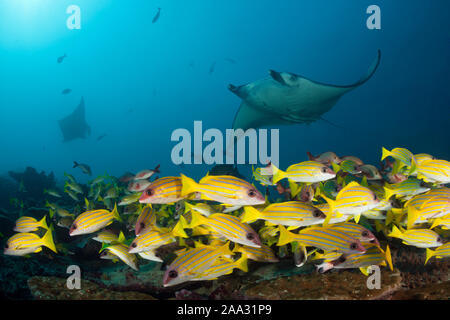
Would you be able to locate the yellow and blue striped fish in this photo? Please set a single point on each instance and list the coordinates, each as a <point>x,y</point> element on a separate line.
<point>353,199</point>
<point>120,250</point>
<point>151,239</point>
<point>92,221</point>
<point>323,238</point>
<point>373,256</point>
<point>403,157</point>
<point>262,254</point>
<point>146,219</point>
<point>262,176</point>
<point>290,213</point>
<point>440,252</point>
<point>229,227</point>
<point>162,191</point>
<point>29,224</point>
<point>420,157</point>
<point>356,231</point>
<point>406,189</point>
<point>443,222</point>
<point>192,262</point>
<point>420,238</point>
<point>431,208</point>
<point>203,208</point>
<point>22,244</point>
<point>347,166</point>
<point>306,171</point>
<point>106,236</point>
<point>224,189</point>
<point>222,267</point>
<point>435,171</point>
<point>150,255</point>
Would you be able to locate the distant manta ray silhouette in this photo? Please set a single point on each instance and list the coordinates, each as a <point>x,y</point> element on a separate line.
<point>74,126</point>
<point>286,98</point>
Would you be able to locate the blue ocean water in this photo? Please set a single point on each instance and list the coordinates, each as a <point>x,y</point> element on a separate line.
<point>142,80</point>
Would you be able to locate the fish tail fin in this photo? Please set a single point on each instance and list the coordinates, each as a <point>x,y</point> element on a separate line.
<point>331,204</point>
<point>413,215</point>
<point>285,236</point>
<point>389,257</point>
<point>43,223</point>
<point>225,249</point>
<point>242,264</point>
<point>156,170</point>
<point>295,188</point>
<point>75,164</point>
<point>47,240</point>
<point>197,219</point>
<point>436,222</point>
<point>395,233</point>
<point>336,167</point>
<point>430,253</point>
<point>388,193</point>
<point>250,214</point>
<point>277,174</point>
<point>384,153</point>
<point>116,214</point>
<point>178,229</point>
<point>188,185</point>
<point>187,207</point>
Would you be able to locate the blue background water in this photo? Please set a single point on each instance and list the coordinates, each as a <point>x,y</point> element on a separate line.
<point>141,80</point>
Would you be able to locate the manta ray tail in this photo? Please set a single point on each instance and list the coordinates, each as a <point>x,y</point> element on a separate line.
<point>371,70</point>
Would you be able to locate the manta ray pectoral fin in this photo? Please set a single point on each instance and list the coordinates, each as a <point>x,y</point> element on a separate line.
<point>277,77</point>
<point>249,117</point>
<point>240,91</point>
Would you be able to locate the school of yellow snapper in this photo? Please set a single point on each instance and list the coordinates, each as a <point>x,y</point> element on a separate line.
<point>331,204</point>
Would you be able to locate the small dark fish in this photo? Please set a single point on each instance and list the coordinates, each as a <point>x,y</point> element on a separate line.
<point>66,91</point>
<point>213,66</point>
<point>84,167</point>
<point>230,60</point>
<point>61,59</point>
<point>157,16</point>
<point>101,137</point>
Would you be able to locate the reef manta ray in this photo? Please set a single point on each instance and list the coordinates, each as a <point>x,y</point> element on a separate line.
<point>287,98</point>
<point>74,126</point>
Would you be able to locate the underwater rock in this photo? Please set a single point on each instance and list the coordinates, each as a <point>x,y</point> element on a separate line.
<point>8,189</point>
<point>53,288</point>
<point>341,285</point>
<point>440,291</point>
<point>33,182</point>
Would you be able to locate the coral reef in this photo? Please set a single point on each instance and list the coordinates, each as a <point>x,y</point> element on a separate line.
<point>53,288</point>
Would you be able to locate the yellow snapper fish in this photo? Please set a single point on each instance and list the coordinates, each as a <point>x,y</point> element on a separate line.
<point>203,208</point>
<point>431,208</point>
<point>307,171</point>
<point>347,166</point>
<point>229,227</point>
<point>443,222</point>
<point>75,187</point>
<point>150,255</point>
<point>22,244</point>
<point>406,189</point>
<point>151,239</point>
<point>222,266</point>
<point>52,192</point>
<point>163,191</point>
<point>263,175</point>
<point>147,219</point>
<point>356,160</point>
<point>420,157</point>
<point>403,157</point>
<point>94,220</point>
<point>420,238</point>
<point>370,172</point>
<point>435,171</point>
<point>120,250</point>
<point>72,194</point>
<point>64,213</point>
<point>290,213</point>
<point>29,224</point>
<point>224,189</point>
<point>193,262</point>
<point>129,199</point>
<point>373,256</point>
<point>262,254</point>
<point>65,222</point>
<point>353,199</point>
<point>440,252</point>
<point>323,238</point>
<point>356,231</point>
<point>106,236</point>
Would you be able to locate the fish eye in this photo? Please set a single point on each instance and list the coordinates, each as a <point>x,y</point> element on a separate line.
<point>324,169</point>
<point>252,193</point>
<point>365,234</point>
<point>353,246</point>
<point>317,213</point>
<point>149,192</point>
<point>173,274</point>
<point>134,245</point>
<point>438,239</point>
<point>74,227</point>
<point>375,198</point>
<point>423,184</point>
<point>142,225</point>
<point>250,236</point>
<point>6,246</point>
